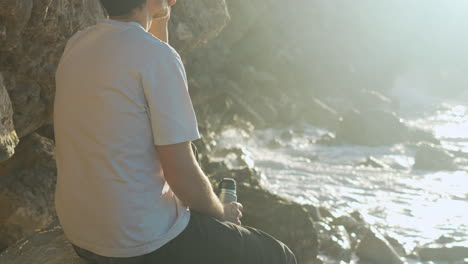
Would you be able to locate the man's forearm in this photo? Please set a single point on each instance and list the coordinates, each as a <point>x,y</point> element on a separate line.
<point>187,180</point>
<point>159,29</point>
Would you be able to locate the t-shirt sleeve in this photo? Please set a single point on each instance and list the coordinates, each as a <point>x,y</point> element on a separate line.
<point>170,108</point>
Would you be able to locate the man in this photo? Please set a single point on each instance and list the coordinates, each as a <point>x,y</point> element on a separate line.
<point>127,175</point>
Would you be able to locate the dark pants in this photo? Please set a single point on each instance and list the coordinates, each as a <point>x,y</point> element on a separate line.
<point>207,240</point>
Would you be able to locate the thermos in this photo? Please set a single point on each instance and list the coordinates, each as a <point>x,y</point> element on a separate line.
<point>227,190</point>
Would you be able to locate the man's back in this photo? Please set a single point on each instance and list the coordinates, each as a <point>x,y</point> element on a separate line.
<point>111,195</point>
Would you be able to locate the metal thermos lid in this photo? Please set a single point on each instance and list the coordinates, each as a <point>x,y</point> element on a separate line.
<point>228,183</point>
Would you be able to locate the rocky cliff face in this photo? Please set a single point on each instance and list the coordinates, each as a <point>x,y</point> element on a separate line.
<point>33,34</point>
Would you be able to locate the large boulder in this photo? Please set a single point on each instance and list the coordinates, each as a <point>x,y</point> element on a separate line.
<point>49,246</point>
<point>36,33</point>
<point>373,247</point>
<point>432,157</point>
<point>193,23</point>
<point>334,241</point>
<point>27,183</point>
<point>372,127</point>
<point>8,137</point>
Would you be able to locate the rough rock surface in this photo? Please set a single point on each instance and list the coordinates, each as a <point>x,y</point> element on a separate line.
<point>35,35</point>
<point>8,137</point>
<point>27,183</point>
<point>48,246</point>
<point>193,23</point>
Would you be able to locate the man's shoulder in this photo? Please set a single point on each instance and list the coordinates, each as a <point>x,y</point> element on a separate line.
<point>155,46</point>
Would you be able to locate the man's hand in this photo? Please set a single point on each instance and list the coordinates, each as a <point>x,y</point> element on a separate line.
<point>162,9</point>
<point>161,14</point>
<point>233,212</point>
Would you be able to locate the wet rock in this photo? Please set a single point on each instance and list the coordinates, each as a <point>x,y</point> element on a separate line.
<point>287,135</point>
<point>373,127</point>
<point>445,240</point>
<point>351,224</point>
<point>456,253</point>
<point>325,212</point>
<point>237,157</point>
<point>27,184</point>
<point>370,99</point>
<point>48,246</point>
<point>321,114</point>
<point>8,137</point>
<point>313,211</point>
<point>416,134</point>
<point>285,220</point>
<point>396,245</point>
<point>373,247</point>
<point>373,162</point>
<point>334,241</point>
<point>432,157</point>
<point>327,139</point>
<point>274,143</point>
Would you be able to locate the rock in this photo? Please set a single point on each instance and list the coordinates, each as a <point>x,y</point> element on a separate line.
<point>321,114</point>
<point>416,134</point>
<point>351,224</point>
<point>396,245</point>
<point>287,135</point>
<point>373,127</point>
<point>193,23</point>
<point>27,184</point>
<point>325,212</point>
<point>326,139</point>
<point>373,247</point>
<point>456,253</point>
<point>15,15</point>
<point>8,137</point>
<point>285,220</point>
<point>237,157</point>
<point>314,212</point>
<point>431,157</point>
<point>371,100</point>
<point>373,162</point>
<point>334,241</point>
<point>49,246</point>
<point>36,36</point>
<point>274,144</point>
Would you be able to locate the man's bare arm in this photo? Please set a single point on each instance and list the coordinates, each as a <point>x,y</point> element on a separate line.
<point>187,180</point>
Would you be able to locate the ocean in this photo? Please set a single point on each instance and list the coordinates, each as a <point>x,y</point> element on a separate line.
<point>414,206</point>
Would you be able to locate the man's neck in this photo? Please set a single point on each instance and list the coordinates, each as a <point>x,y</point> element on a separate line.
<point>144,24</point>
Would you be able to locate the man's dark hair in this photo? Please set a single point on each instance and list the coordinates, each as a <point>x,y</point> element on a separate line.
<point>121,7</point>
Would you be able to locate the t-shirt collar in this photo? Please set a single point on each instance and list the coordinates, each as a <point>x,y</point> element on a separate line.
<point>121,23</point>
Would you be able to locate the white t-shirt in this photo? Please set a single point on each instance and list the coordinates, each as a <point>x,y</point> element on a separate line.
<point>119,92</point>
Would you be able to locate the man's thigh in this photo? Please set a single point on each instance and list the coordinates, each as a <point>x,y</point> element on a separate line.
<point>208,240</point>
